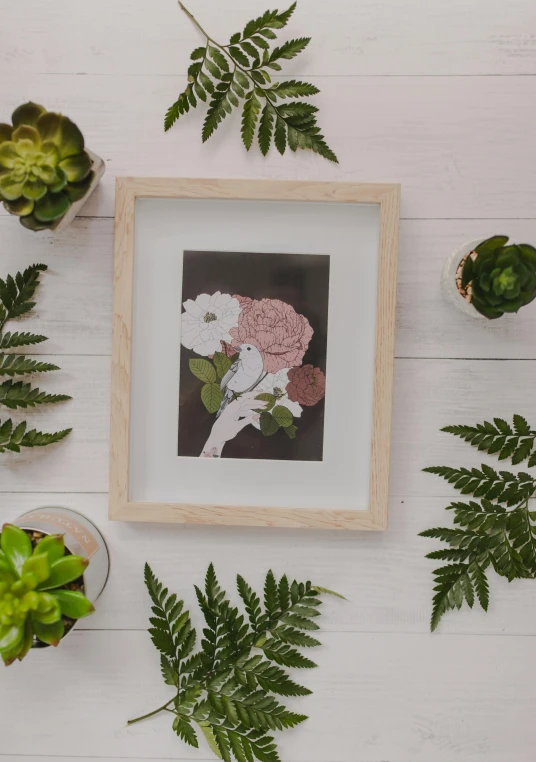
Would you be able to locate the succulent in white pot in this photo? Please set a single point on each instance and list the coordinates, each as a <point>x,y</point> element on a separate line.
<point>46,172</point>
<point>488,278</point>
<point>54,564</point>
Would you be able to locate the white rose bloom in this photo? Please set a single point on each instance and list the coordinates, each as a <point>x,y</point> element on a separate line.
<point>276,384</point>
<point>207,321</point>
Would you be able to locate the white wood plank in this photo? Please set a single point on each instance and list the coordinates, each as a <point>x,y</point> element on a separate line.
<point>82,457</point>
<point>449,391</point>
<point>367,38</point>
<point>75,299</point>
<point>453,149</point>
<point>403,698</point>
<point>384,575</point>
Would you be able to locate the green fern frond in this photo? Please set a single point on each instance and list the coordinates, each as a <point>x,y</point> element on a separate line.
<point>225,75</point>
<point>228,689</point>
<point>12,437</point>
<point>252,603</point>
<point>16,294</point>
<point>183,728</point>
<point>516,443</point>
<point>17,394</point>
<point>289,49</point>
<point>499,531</point>
<point>250,115</point>
<point>12,340</point>
<point>19,365</point>
<point>504,486</point>
<point>285,655</point>
<point>293,88</point>
<point>451,585</point>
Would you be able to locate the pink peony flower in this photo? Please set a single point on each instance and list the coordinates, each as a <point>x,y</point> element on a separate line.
<point>306,385</point>
<point>275,328</point>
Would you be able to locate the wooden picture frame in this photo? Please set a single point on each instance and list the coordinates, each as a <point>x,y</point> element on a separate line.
<point>128,190</point>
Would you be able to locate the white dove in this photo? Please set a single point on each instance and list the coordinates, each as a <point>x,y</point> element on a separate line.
<point>243,375</point>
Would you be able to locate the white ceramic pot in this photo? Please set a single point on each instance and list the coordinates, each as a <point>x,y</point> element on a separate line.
<point>82,538</point>
<point>448,280</point>
<point>98,168</point>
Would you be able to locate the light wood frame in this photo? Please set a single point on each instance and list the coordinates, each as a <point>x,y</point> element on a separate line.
<point>128,189</point>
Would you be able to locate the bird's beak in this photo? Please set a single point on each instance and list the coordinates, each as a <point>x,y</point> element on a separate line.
<point>236,349</point>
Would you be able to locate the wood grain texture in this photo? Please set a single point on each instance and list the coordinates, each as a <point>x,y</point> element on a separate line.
<point>445,140</point>
<point>377,37</point>
<point>402,698</point>
<point>129,189</point>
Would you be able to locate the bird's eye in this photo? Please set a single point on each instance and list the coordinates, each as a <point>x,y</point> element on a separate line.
<point>249,349</point>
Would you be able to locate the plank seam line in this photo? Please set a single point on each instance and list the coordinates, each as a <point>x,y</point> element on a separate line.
<point>394,633</point>
<point>304,74</point>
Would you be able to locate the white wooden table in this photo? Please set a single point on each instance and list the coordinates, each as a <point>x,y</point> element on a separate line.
<point>437,96</point>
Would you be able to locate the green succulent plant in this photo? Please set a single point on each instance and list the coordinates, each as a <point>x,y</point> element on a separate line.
<point>33,597</point>
<point>502,278</point>
<point>43,166</point>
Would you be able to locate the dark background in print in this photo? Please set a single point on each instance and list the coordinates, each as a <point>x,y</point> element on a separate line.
<point>301,280</point>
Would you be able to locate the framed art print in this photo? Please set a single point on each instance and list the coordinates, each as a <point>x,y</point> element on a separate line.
<point>253,352</point>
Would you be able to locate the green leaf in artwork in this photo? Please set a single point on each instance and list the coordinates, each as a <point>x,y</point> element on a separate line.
<point>203,370</point>
<point>211,396</point>
<point>291,431</point>
<point>267,397</point>
<point>269,426</point>
<point>222,363</point>
<point>282,415</point>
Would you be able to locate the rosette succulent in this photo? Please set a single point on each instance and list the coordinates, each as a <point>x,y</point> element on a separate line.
<point>499,278</point>
<point>43,166</point>
<point>34,597</point>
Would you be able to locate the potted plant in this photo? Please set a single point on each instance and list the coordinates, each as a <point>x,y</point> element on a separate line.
<point>487,278</point>
<point>46,580</point>
<point>46,173</point>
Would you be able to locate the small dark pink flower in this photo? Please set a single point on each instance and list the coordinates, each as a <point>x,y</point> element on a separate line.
<point>306,385</point>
